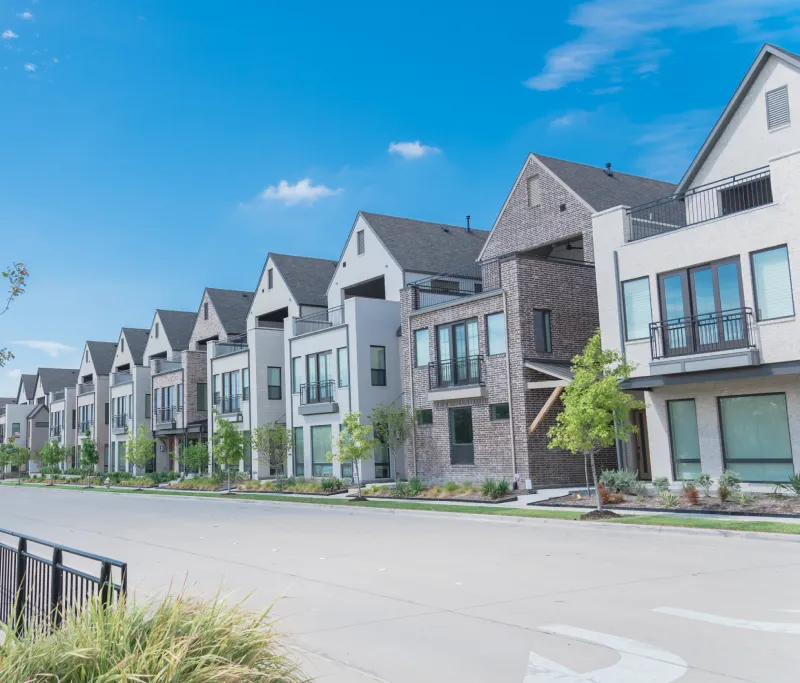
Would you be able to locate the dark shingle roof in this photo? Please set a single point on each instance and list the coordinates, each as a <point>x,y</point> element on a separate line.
<point>178,326</point>
<point>424,247</point>
<point>39,407</point>
<point>602,191</point>
<point>55,379</point>
<point>4,400</point>
<point>307,278</point>
<point>136,339</point>
<point>29,384</point>
<point>102,355</point>
<point>232,307</point>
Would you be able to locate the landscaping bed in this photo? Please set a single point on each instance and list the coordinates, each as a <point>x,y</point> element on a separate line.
<point>328,486</point>
<point>489,491</point>
<point>451,499</point>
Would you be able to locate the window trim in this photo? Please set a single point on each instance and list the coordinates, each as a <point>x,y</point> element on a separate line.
<point>279,385</point>
<point>669,436</point>
<point>755,289</point>
<point>427,332</point>
<point>493,417</point>
<point>373,370</point>
<point>622,284</point>
<point>419,421</point>
<point>548,332</point>
<point>296,379</point>
<point>489,336</point>
<point>270,278</point>
<point>339,367</point>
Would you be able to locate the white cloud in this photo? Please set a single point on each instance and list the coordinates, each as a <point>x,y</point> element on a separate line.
<point>570,119</point>
<point>30,67</point>
<point>610,28</point>
<point>412,150</point>
<point>8,35</point>
<point>302,192</point>
<point>51,348</point>
<point>607,91</point>
<point>25,15</point>
<point>16,373</point>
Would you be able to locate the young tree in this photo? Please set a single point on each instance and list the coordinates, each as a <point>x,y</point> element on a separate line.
<point>595,411</point>
<point>5,458</point>
<point>16,274</point>
<point>353,444</point>
<point>140,450</point>
<point>273,442</point>
<point>20,456</point>
<point>392,425</point>
<point>194,456</point>
<point>229,443</point>
<point>89,457</point>
<point>52,455</point>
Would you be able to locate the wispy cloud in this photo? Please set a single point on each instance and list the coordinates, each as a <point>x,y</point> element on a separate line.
<point>25,15</point>
<point>51,348</point>
<point>610,28</point>
<point>302,192</point>
<point>412,150</point>
<point>570,119</point>
<point>610,90</point>
<point>16,373</point>
<point>29,67</point>
<point>8,35</point>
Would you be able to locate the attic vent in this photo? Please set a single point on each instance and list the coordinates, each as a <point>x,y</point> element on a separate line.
<point>778,107</point>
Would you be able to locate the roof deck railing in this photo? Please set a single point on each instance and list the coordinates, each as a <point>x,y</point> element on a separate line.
<point>321,320</point>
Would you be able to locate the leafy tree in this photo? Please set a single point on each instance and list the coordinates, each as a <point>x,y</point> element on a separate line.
<point>229,443</point>
<point>392,425</point>
<point>595,409</point>
<point>194,456</point>
<point>5,457</point>
<point>17,275</point>
<point>273,442</point>
<point>89,457</point>
<point>20,456</point>
<point>353,444</point>
<point>139,451</point>
<point>52,454</point>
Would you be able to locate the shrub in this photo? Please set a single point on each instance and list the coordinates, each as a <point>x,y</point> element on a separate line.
<point>136,482</point>
<point>745,498</point>
<point>400,490</point>
<point>451,487</point>
<point>620,481</point>
<point>669,499</point>
<point>502,488</point>
<point>793,485</point>
<point>164,477</point>
<point>332,484</point>
<point>197,484</point>
<point>414,486</point>
<point>604,493</point>
<point>488,488</point>
<point>690,494</point>
<point>639,489</point>
<point>495,488</point>
<point>705,482</point>
<point>661,484</point>
<point>731,479</point>
<point>724,492</point>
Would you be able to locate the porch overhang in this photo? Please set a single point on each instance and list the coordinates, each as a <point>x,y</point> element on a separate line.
<point>458,393</point>
<point>561,377</point>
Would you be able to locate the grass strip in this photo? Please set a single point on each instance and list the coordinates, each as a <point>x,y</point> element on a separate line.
<point>704,523</point>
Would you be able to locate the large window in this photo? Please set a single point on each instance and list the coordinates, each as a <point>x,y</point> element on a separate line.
<point>296,374</point>
<point>684,440</point>
<point>319,377</point>
<point>422,348</point>
<point>245,384</point>
<point>377,355</point>
<point>772,283</point>
<point>342,367</point>
<point>459,354</point>
<point>542,335</point>
<point>382,463</point>
<point>202,399</point>
<point>496,332</point>
<point>638,313</point>
<point>462,451</point>
<point>320,447</point>
<point>274,384</point>
<point>299,452</point>
<point>755,437</point>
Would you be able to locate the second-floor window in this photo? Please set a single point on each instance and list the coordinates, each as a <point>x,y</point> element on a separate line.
<point>246,384</point>
<point>202,399</point>
<point>342,366</point>
<point>636,302</point>
<point>422,348</point>
<point>542,337</point>
<point>296,374</point>
<point>274,384</point>
<point>772,283</point>
<point>179,397</point>
<point>377,356</point>
<point>496,333</point>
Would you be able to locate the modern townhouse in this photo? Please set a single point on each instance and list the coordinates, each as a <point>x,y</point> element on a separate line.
<point>92,398</point>
<point>14,414</point>
<point>347,357</point>
<point>696,289</point>
<point>64,418</point>
<point>42,418</point>
<point>486,351</point>
<point>170,360</point>
<point>129,393</point>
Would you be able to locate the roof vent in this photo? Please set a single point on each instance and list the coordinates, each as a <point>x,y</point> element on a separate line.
<point>609,172</point>
<point>468,217</point>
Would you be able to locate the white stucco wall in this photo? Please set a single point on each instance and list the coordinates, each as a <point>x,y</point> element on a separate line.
<point>156,345</point>
<point>267,300</point>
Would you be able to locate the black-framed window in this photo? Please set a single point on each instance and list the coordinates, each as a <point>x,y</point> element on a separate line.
<point>245,384</point>
<point>542,331</point>
<point>496,333</point>
<point>360,242</point>
<point>202,396</point>
<point>342,366</point>
<point>755,436</point>
<point>425,416</point>
<point>377,357</point>
<point>274,383</point>
<point>269,278</point>
<point>107,412</point>
<point>684,440</point>
<point>462,449</point>
<point>179,397</point>
<point>320,376</point>
<point>422,348</point>
<point>299,452</point>
<point>637,311</point>
<point>772,283</point>
<point>156,330</point>
<point>205,310</point>
<point>297,364</point>
<point>499,411</point>
<point>320,447</point>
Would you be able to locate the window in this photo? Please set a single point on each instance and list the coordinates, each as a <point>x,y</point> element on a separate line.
<point>534,191</point>
<point>74,418</point>
<point>105,458</point>
<point>462,451</point>
<point>15,428</point>
<point>778,108</point>
<point>156,330</point>
<point>424,416</point>
<point>319,377</point>
<point>215,386</point>
<point>148,406</point>
<point>122,344</point>
<point>269,278</point>
<point>106,412</point>
<point>542,338</point>
<point>41,424</point>
<point>422,348</point>
<point>683,439</point>
<point>496,332</point>
<point>202,396</point>
<point>274,384</point>
<point>121,456</point>
<point>298,448</point>
<point>755,437</point>
<point>246,384</point>
<point>380,457</point>
<point>296,377</point>
<point>341,366</point>
<point>772,283</point>
<point>87,355</point>
<point>320,447</point>
<point>360,242</point>
<point>638,314</point>
<point>377,356</point>
<point>477,287</point>
<point>179,397</point>
<point>498,411</point>
<point>205,310</point>
<point>459,354</point>
<point>346,467</point>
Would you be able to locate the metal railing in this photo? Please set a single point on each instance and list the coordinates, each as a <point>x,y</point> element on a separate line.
<point>84,425</point>
<point>85,388</point>
<point>37,592</point>
<point>456,372</point>
<point>119,378</point>
<point>707,333</point>
<point>229,404</point>
<point>319,321</point>
<point>119,423</point>
<point>231,345</point>
<point>58,395</point>
<point>703,203</point>
<point>55,431</point>
<point>161,365</point>
<point>458,284</point>
<point>165,414</point>
<point>2,410</point>
<point>317,392</point>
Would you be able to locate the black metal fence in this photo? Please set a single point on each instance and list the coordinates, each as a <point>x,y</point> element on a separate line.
<point>456,372</point>
<point>229,404</point>
<point>446,287</point>
<point>319,321</point>
<point>317,392</point>
<point>36,592</point>
<point>707,333</point>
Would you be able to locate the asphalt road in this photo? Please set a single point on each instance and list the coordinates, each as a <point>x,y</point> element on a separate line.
<point>407,597</point>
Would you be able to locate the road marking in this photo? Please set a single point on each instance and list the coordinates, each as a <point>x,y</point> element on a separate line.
<point>763,626</point>
<point>638,663</point>
<point>339,663</point>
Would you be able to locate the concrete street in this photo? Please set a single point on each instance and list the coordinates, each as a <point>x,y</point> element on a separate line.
<point>410,597</point>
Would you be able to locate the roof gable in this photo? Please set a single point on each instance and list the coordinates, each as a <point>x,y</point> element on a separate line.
<point>231,307</point>
<point>55,379</point>
<point>101,355</point>
<point>136,341</point>
<point>177,326</point>
<point>306,278</point>
<point>27,388</point>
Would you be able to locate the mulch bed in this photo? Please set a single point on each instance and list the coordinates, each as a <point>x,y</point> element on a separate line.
<point>293,493</point>
<point>427,499</point>
<point>601,514</point>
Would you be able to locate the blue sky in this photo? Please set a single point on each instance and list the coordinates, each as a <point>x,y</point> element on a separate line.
<point>151,149</point>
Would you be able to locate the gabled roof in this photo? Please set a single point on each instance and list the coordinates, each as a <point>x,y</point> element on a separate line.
<point>102,355</point>
<point>423,247</point>
<point>232,307</point>
<point>38,409</point>
<point>5,400</point>
<point>28,384</point>
<point>136,338</point>
<point>55,379</point>
<point>739,94</point>
<point>178,326</point>
<point>307,278</point>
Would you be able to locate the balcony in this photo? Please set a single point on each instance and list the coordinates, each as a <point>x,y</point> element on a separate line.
<point>319,321</point>
<point>120,378</point>
<point>119,424</point>
<point>165,417</point>
<point>162,365</point>
<point>456,379</point>
<point>711,341</point>
<point>85,425</point>
<point>55,432</point>
<point>2,411</point>
<point>230,346</point>
<point>229,405</point>
<point>85,388</point>
<point>700,204</point>
<point>58,395</point>
<point>317,398</point>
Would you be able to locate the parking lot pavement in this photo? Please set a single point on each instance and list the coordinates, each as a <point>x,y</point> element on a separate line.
<point>400,596</point>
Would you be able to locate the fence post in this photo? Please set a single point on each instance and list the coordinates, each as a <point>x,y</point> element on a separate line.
<point>56,585</point>
<point>105,584</point>
<point>20,586</point>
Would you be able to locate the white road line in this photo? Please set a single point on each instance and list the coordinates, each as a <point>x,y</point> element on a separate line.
<point>748,625</point>
<point>336,662</point>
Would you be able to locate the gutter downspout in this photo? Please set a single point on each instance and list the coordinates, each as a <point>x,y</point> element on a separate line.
<point>411,393</point>
<point>508,389</point>
<point>290,416</point>
<point>620,447</point>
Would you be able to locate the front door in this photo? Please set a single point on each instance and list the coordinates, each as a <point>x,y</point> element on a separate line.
<point>640,445</point>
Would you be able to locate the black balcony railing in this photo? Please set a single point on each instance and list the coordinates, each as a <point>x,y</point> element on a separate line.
<point>229,404</point>
<point>703,203</point>
<point>55,431</point>
<point>317,392</point>
<point>119,422</point>
<point>433,294</point>
<point>319,321</point>
<point>707,333</point>
<point>165,414</point>
<point>456,372</point>
<point>84,425</point>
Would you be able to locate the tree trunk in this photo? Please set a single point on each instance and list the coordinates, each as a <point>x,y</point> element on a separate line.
<point>229,480</point>
<point>596,488</point>
<point>586,472</point>
<point>358,478</point>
